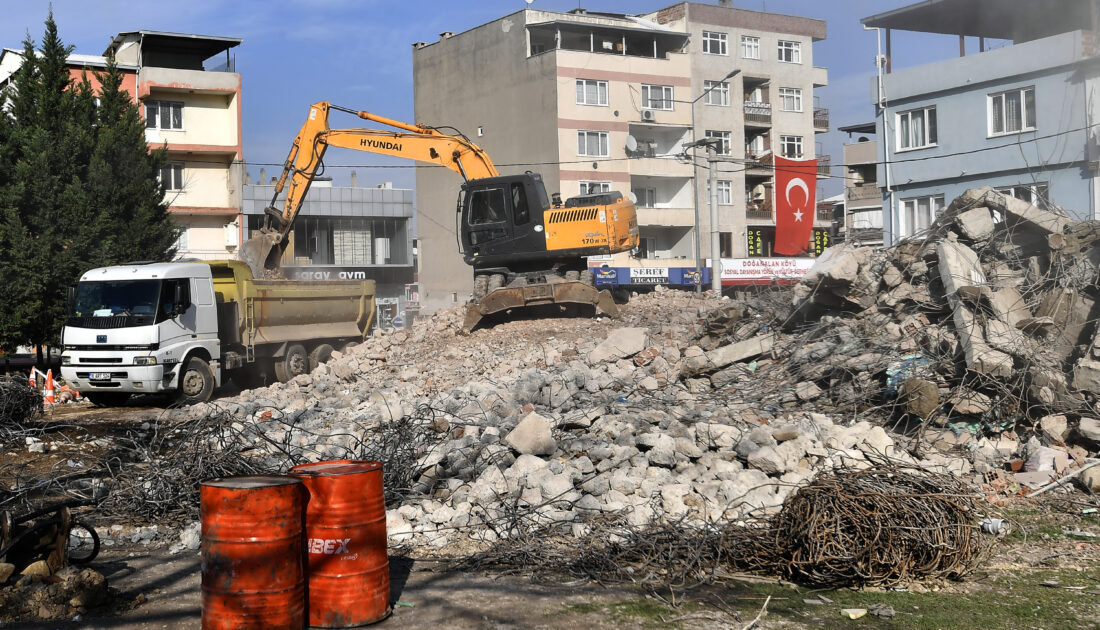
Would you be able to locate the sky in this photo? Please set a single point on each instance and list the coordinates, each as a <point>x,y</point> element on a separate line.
<point>358,54</point>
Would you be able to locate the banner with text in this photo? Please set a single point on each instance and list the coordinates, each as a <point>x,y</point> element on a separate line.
<point>764,270</point>
<point>795,201</point>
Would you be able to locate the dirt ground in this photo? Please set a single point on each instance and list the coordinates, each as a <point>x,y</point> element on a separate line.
<point>1044,574</point>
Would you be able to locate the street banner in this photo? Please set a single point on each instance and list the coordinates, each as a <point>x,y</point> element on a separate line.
<point>795,188</point>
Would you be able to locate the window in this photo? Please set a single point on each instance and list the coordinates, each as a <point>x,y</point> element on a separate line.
<point>918,213</point>
<point>592,143</point>
<point>1035,194</point>
<point>790,99</point>
<point>647,247</point>
<point>790,52</point>
<point>714,43</point>
<point>171,175</point>
<point>487,206</point>
<point>1012,112</point>
<point>591,188</point>
<point>755,146</point>
<point>725,192</point>
<point>163,115</point>
<point>520,211</point>
<point>718,93</point>
<point>724,138</point>
<point>656,97</point>
<point>647,197</point>
<point>591,92</point>
<point>916,128</point>
<point>750,47</point>
<point>790,146</point>
<point>725,244</point>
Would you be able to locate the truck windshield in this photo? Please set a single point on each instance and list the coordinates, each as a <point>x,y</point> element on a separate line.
<point>111,298</point>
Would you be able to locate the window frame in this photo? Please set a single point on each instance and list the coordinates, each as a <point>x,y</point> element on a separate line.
<point>585,186</point>
<point>601,91</point>
<point>1026,116</point>
<point>602,139</point>
<point>931,129</point>
<point>794,48</point>
<point>647,97</point>
<point>1038,192</point>
<point>797,140</point>
<point>155,122</point>
<point>724,136</point>
<point>648,198</point>
<point>750,43</point>
<point>721,88</point>
<point>175,169</point>
<point>796,96</point>
<point>935,206</point>
<point>712,38</point>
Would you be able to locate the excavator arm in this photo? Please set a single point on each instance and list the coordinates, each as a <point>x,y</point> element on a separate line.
<point>414,142</point>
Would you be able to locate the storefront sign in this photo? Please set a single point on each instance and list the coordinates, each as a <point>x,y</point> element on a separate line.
<point>764,270</point>
<point>327,273</point>
<point>649,275</point>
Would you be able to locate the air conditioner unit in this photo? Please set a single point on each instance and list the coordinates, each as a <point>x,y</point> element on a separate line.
<point>648,115</point>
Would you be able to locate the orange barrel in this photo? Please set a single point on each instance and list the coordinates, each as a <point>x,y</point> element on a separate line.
<point>349,573</point>
<point>253,560</point>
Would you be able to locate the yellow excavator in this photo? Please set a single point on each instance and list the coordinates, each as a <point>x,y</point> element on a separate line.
<point>525,250</point>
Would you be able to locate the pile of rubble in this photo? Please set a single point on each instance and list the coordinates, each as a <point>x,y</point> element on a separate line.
<point>959,352</point>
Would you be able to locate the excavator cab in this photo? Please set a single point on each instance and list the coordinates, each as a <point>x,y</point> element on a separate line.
<point>502,217</point>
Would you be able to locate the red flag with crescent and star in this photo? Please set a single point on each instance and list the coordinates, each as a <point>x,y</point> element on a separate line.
<point>795,188</point>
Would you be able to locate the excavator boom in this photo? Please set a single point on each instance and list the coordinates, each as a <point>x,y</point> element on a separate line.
<point>416,142</point>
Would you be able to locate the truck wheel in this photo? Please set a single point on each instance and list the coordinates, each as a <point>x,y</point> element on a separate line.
<point>196,382</point>
<point>481,286</point>
<point>320,354</point>
<point>348,346</point>
<point>588,277</point>
<point>293,363</point>
<point>107,399</point>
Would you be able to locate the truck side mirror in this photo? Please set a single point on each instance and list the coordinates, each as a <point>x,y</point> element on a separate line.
<point>71,296</point>
<point>180,299</point>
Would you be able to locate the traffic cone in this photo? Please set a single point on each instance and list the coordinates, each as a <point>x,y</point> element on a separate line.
<point>48,396</point>
<point>32,381</point>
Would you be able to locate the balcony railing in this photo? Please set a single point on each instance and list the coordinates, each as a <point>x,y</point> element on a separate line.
<point>866,191</point>
<point>825,214</point>
<point>824,165</point>
<point>760,113</point>
<point>759,211</point>
<point>821,119</point>
<point>759,165</point>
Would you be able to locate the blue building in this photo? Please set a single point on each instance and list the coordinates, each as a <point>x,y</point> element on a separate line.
<point>1020,117</point>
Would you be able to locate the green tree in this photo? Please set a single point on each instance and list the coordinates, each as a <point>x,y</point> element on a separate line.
<point>79,188</point>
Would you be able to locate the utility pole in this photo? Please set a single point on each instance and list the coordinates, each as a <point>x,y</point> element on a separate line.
<point>715,238</point>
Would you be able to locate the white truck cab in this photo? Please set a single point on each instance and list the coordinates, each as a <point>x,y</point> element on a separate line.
<point>143,328</point>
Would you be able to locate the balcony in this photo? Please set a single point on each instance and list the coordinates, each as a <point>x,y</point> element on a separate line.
<point>759,211</point>
<point>824,165</point>
<point>821,119</point>
<point>758,114</point>
<point>825,214</point>
<point>866,191</point>
<point>759,165</point>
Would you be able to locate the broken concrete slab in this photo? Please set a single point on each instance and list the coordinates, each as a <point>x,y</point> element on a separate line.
<point>959,267</point>
<point>975,224</point>
<point>1070,312</point>
<point>619,344</point>
<point>725,355</point>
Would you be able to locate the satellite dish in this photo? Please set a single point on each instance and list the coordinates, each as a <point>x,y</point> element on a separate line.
<point>528,1</point>
<point>633,198</point>
<point>631,143</point>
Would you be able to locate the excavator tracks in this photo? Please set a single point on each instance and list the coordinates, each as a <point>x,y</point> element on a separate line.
<point>519,297</point>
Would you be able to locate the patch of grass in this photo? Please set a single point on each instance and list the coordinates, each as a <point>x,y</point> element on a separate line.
<point>640,612</point>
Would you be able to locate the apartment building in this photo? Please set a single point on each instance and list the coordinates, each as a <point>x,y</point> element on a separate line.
<point>766,108</point>
<point>191,97</point>
<point>862,218</point>
<point>1017,114</point>
<point>599,101</point>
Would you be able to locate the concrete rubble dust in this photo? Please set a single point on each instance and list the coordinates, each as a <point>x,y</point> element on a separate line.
<point>968,352</point>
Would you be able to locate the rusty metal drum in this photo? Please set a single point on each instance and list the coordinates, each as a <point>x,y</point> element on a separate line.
<point>253,556</point>
<point>348,574</point>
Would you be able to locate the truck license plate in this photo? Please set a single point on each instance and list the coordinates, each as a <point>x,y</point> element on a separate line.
<point>100,376</point>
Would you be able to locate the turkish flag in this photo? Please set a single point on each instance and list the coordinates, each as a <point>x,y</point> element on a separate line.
<point>795,188</point>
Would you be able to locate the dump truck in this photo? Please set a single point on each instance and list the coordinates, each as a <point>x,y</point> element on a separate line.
<point>528,250</point>
<point>183,327</point>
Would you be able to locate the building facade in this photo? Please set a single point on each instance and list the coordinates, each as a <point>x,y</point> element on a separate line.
<point>345,233</point>
<point>862,217</point>
<point>599,101</point>
<point>191,98</point>
<point>1017,118</point>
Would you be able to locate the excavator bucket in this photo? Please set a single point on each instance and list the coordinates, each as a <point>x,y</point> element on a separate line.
<point>262,253</point>
<point>531,296</point>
